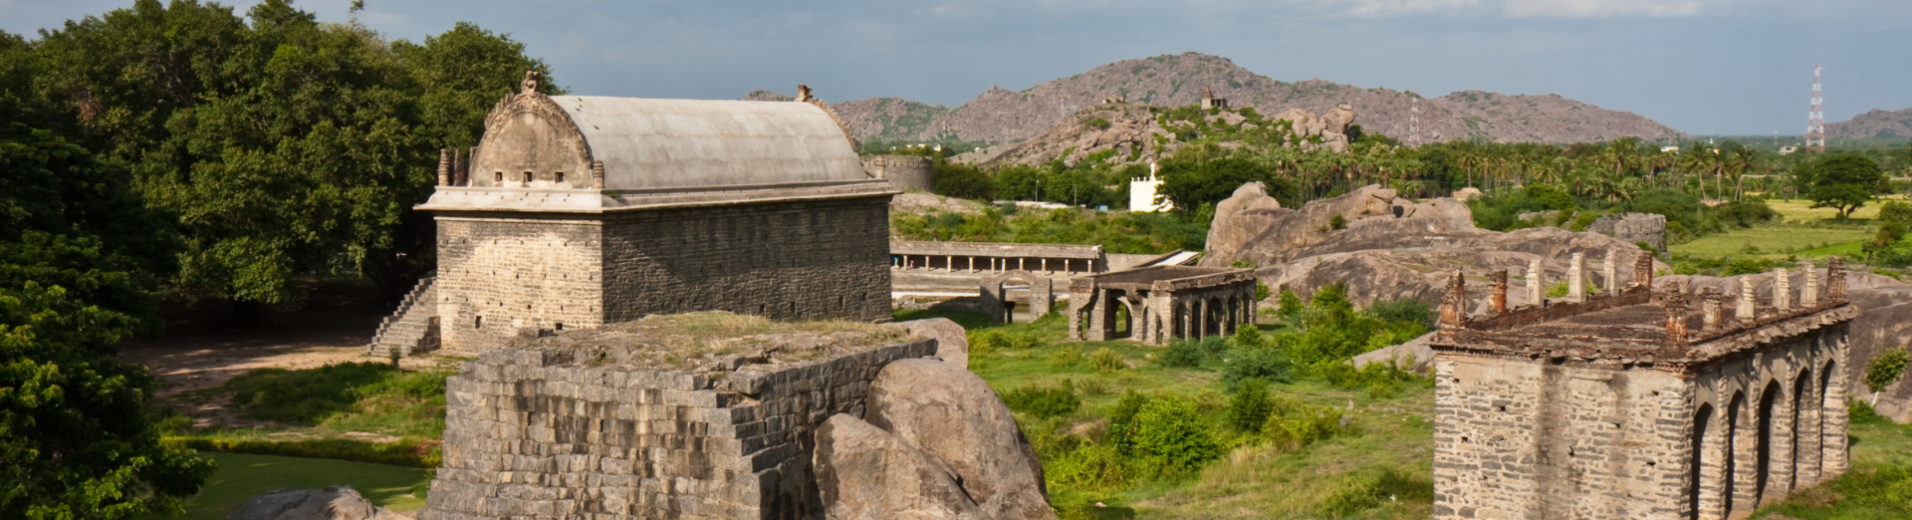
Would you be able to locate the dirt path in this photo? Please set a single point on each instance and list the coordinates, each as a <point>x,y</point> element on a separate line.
<point>196,354</point>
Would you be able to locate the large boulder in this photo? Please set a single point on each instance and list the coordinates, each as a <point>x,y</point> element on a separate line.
<point>865,473</point>
<point>952,341</point>
<point>1265,235</point>
<point>954,416</point>
<point>332,503</point>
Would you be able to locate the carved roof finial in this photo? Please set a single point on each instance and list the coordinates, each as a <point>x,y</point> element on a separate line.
<point>1207,94</point>
<point>803,93</point>
<point>530,84</point>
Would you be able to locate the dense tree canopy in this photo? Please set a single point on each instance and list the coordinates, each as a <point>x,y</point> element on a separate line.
<point>184,148</point>
<point>1843,182</point>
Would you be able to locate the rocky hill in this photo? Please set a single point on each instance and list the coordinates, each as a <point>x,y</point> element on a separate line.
<point>1001,116</point>
<point>1878,124</point>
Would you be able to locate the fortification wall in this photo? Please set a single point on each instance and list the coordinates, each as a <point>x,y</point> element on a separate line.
<point>782,260</point>
<point>540,435</point>
<point>498,276</point>
<point>905,172</point>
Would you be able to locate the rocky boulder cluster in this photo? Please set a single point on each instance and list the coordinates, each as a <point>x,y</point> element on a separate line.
<point>1331,127</point>
<point>935,442</point>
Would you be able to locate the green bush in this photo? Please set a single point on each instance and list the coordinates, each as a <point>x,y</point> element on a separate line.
<point>1044,401</point>
<point>1260,363</point>
<point>1289,305</point>
<point>1169,438</point>
<point>1403,311</point>
<point>1364,492</point>
<point>1099,123</point>
<point>1122,419</point>
<point>1065,357</point>
<point>1182,353</point>
<point>1337,222</point>
<point>1860,411</point>
<point>1106,361</point>
<point>1250,406</point>
<point>1886,368</point>
<point>1293,424</point>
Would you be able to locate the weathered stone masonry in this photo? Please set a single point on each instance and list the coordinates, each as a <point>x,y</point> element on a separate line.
<point>540,435</point>
<point>1630,405</point>
<point>578,211</point>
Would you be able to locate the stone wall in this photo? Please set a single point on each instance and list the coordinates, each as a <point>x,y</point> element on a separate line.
<point>905,172</point>
<point>539,435</point>
<point>498,276</point>
<point>1518,437</point>
<point>785,261</point>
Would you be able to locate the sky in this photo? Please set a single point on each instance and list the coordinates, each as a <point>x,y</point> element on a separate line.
<point>1706,67</point>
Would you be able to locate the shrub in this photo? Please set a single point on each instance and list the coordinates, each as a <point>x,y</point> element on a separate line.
<point>1065,357</point>
<point>1337,222</point>
<point>1403,311</point>
<point>1859,411</point>
<point>1741,266</point>
<point>1289,305</point>
<point>1182,353</point>
<point>1106,361</point>
<point>1886,368</point>
<point>1099,123</point>
<point>1169,438</point>
<point>1044,401</point>
<point>1250,407</point>
<point>1263,363</point>
<point>1293,424</point>
<point>1122,418</point>
<point>1363,492</point>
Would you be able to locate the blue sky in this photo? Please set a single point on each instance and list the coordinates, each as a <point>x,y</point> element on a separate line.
<point>1700,66</point>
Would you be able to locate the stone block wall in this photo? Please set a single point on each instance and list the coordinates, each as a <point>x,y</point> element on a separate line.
<point>538,435</point>
<point>785,260</point>
<point>1633,228</point>
<point>908,172</point>
<point>1518,438</point>
<point>499,276</point>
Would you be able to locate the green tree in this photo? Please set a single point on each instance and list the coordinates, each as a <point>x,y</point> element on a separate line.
<point>1844,182</point>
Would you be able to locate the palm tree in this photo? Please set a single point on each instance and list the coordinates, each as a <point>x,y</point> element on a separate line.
<point>1741,159</point>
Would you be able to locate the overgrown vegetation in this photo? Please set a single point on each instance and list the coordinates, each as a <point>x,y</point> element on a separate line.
<point>346,397</point>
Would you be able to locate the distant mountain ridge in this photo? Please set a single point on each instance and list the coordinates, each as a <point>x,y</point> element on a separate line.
<point>1001,116</point>
<point>1873,124</point>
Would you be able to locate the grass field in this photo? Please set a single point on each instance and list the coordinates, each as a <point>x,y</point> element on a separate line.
<point>1779,241</point>
<point>242,477</point>
<point>1801,210</point>
<point>1879,486</point>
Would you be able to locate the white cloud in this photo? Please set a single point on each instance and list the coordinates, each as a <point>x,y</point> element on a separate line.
<point>1603,8</point>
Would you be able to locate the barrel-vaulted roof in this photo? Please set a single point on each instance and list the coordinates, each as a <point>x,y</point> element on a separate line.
<point>681,143</point>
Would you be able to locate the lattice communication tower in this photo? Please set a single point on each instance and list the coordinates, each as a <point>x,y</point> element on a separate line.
<point>1816,120</point>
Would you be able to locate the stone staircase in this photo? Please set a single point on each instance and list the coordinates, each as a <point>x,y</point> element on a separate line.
<point>413,328</point>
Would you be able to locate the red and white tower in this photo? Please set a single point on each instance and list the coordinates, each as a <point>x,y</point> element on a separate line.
<point>1413,121</point>
<point>1816,120</point>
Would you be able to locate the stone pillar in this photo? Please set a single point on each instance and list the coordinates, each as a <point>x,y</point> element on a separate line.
<point>461,166</point>
<point>1500,292</point>
<point>1709,308</point>
<point>1780,460</point>
<point>949,263</point>
<point>444,167</point>
<point>1809,296</point>
<point>1080,294</point>
<point>1782,290</point>
<point>1811,443</point>
<point>1453,310</point>
<point>1643,271</point>
<point>1745,311</point>
<point>1200,310</point>
<point>1099,314</point>
<point>1675,303</point>
<point>1577,278</point>
<point>597,175</point>
<point>1713,477</point>
<point>1187,312</point>
<point>1610,271</point>
<point>1536,286</point>
<point>1746,453</point>
<point>1836,279</point>
<point>1835,422</point>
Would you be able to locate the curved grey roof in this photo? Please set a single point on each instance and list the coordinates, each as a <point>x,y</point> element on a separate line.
<point>683,143</point>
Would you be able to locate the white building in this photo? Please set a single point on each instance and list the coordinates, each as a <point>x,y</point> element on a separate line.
<point>1142,193</point>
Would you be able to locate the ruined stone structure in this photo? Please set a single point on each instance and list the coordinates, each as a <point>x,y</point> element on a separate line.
<point>1634,228</point>
<point>1210,101</point>
<point>1160,303</point>
<point>1645,403</point>
<point>905,172</point>
<point>575,211</point>
<point>997,303</point>
<point>550,433</point>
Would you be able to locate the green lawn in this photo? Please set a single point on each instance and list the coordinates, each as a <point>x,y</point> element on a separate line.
<point>1780,241</point>
<point>242,477</point>
<point>1802,210</point>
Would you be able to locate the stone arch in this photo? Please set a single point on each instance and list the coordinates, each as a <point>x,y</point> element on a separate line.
<point>1129,315</point>
<point>1697,480</point>
<point>1729,454</point>
<point>1763,450</point>
<point>528,132</point>
<point>1801,431</point>
<point>995,301</point>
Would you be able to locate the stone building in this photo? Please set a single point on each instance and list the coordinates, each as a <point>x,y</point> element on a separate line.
<point>1142,191</point>
<point>1159,303</point>
<point>575,211</point>
<point>1210,101</point>
<point>1647,402</point>
<point>905,172</point>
